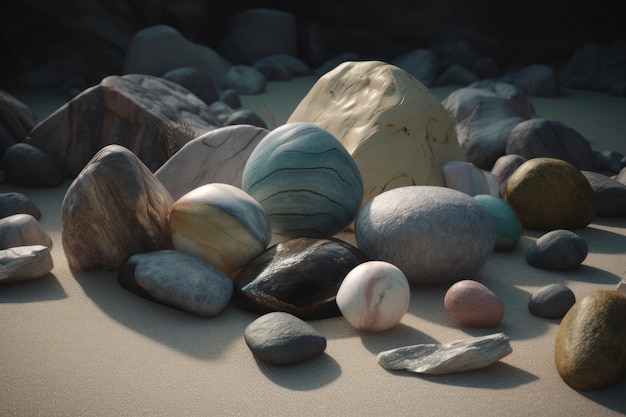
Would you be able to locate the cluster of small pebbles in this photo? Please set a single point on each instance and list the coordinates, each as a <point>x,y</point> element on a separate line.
<point>253,216</point>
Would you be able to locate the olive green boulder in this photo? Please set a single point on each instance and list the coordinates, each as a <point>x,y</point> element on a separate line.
<point>590,348</point>
<point>548,194</point>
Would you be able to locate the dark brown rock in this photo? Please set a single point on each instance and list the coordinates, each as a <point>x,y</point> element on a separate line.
<point>536,138</point>
<point>590,348</point>
<point>300,276</point>
<point>113,209</point>
<point>150,116</point>
<point>609,193</point>
<point>548,193</point>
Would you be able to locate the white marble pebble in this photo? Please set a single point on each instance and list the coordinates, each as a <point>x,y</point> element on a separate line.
<point>374,296</point>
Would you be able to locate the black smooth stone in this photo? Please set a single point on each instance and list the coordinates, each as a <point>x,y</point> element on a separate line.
<point>300,276</point>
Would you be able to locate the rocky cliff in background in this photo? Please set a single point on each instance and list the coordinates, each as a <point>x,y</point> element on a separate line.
<point>73,45</point>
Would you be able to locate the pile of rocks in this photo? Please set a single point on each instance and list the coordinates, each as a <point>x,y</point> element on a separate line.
<point>212,207</point>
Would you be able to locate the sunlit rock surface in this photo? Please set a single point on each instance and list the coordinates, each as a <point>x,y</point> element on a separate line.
<point>457,356</point>
<point>397,132</point>
<point>220,224</point>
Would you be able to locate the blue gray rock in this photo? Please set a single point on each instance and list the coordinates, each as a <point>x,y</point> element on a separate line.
<point>537,137</point>
<point>551,301</point>
<point>177,279</point>
<point>245,117</point>
<point>469,179</point>
<point>485,113</point>
<point>156,50</point>
<point>285,64</point>
<point>456,74</point>
<point>281,338</point>
<point>557,250</point>
<point>200,84</point>
<point>26,165</point>
<point>245,80</point>
<point>17,203</point>
<point>608,193</point>
<point>433,234</point>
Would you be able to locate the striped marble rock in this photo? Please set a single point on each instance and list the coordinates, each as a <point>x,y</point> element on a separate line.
<point>457,356</point>
<point>220,224</point>
<point>216,156</point>
<point>306,181</point>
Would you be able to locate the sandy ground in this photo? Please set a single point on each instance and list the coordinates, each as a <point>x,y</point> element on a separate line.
<point>77,344</point>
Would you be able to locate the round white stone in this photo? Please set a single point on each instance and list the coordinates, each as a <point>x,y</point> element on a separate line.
<point>374,296</point>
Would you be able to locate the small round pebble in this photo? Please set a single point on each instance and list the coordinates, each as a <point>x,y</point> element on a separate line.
<point>281,338</point>
<point>558,250</point>
<point>552,301</point>
<point>473,304</point>
<point>374,296</point>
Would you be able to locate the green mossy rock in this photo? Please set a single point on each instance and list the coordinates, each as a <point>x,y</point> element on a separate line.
<point>548,194</point>
<point>590,348</point>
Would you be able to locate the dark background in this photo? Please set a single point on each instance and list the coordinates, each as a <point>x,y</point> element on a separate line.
<point>87,39</point>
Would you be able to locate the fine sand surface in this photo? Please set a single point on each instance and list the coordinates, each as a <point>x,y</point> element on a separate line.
<point>77,344</point>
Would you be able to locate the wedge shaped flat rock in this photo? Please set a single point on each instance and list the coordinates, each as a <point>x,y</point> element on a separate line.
<point>457,356</point>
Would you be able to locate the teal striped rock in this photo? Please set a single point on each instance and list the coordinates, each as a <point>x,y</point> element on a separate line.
<point>305,179</point>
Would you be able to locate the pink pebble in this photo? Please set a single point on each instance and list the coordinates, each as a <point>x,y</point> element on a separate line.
<point>473,304</point>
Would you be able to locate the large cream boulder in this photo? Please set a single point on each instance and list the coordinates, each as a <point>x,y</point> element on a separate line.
<point>397,132</point>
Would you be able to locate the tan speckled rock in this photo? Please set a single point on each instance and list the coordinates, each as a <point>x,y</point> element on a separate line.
<point>397,132</point>
<point>548,194</point>
<point>590,348</point>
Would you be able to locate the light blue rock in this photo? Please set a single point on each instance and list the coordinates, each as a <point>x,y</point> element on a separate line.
<point>508,226</point>
<point>305,179</point>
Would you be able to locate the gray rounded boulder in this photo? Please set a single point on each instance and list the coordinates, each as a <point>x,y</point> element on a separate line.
<point>433,234</point>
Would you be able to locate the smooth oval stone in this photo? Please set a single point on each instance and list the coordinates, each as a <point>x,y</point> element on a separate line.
<point>22,230</point>
<point>548,194</point>
<point>177,279</point>
<point>433,234</point>
<point>552,301</point>
<point>473,304</point>
<point>590,348</point>
<point>508,226</point>
<point>305,180</point>
<point>300,276</point>
<point>281,338</point>
<point>374,296</point>
<point>220,224</point>
<point>396,130</point>
<point>557,250</point>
